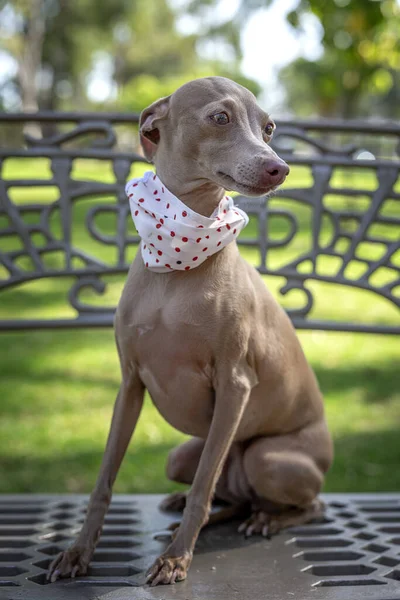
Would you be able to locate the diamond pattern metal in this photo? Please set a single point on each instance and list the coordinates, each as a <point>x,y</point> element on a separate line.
<point>324,561</point>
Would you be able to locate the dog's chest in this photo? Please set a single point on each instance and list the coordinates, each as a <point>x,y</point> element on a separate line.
<point>174,362</point>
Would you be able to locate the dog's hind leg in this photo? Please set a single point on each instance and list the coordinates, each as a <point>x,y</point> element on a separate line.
<point>181,467</point>
<point>182,464</point>
<point>232,486</point>
<point>286,473</point>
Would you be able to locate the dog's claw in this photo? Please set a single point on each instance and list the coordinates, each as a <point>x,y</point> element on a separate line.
<point>70,563</point>
<point>53,577</point>
<point>257,523</point>
<point>168,570</point>
<point>74,571</point>
<point>267,525</point>
<point>173,526</point>
<point>266,532</point>
<point>175,502</point>
<point>242,527</point>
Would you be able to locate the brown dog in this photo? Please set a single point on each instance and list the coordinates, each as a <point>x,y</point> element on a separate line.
<point>218,355</point>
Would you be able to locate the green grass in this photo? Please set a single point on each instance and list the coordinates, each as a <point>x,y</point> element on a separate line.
<point>57,388</point>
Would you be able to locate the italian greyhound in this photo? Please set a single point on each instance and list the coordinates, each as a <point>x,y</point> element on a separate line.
<point>218,355</point>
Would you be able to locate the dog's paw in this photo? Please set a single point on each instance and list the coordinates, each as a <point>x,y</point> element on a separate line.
<point>266,524</point>
<point>70,563</point>
<point>257,523</point>
<point>169,569</point>
<point>175,502</point>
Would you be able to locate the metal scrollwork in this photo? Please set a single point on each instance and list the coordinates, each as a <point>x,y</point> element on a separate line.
<point>107,139</point>
<point>298,285</point>
<point>290,135</point>
<point>81,307</point>
<point>293,227</point>
<point>86,231</point>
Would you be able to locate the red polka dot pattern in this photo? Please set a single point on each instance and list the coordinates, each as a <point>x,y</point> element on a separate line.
<point>169,227</point>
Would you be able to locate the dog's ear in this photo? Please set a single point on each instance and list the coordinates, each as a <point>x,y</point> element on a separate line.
<point>149,132</point>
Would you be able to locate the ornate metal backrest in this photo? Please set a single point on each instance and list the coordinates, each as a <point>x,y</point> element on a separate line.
<point>334,226</point>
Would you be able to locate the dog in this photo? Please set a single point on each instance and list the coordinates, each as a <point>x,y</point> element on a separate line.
<point>218,355</point>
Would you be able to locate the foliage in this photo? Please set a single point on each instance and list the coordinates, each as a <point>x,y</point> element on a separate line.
<point>359,69</point>
<point>138,37</point>
<point>144,89</point>
<point>136,45</point>
<point>360,65</point>
<point>141,54</point>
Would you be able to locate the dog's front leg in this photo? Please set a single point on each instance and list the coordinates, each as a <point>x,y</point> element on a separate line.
<point>75,560</point>
<point>231,395</point>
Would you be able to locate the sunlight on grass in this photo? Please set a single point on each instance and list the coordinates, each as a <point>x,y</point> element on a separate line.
<point>42,194</point>
<point>343,178</point>
<point>58,390</point>
<point>29,168</point>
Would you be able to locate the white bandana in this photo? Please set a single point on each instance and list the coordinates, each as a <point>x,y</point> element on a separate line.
<point>174,237</point>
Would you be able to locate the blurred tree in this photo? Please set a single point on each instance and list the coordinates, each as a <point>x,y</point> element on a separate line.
<point>148,43</point>
<point>26,45</point>
<point>57,42</point>
<point>133,47</point>
<point>142,90</point>
<point>226,30</point>
<point>359,71</point>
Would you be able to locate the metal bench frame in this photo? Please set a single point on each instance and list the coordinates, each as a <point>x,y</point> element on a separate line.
<point>306,143</point>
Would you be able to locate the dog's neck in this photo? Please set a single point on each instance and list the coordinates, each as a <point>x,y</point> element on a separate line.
<point>200,195</point>
<point>174,236</point>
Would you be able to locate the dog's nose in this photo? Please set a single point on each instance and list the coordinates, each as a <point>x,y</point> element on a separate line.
<point>276,172</point>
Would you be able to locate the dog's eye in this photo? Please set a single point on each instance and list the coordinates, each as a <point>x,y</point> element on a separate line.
<point>220,118</point>
<point>269,129</point>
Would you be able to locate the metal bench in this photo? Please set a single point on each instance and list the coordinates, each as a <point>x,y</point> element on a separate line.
<point>336,223</point>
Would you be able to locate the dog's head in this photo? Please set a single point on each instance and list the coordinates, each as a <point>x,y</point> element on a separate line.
<point>214,129</point>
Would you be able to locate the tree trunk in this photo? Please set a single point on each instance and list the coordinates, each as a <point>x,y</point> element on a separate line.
<point>31,56</point>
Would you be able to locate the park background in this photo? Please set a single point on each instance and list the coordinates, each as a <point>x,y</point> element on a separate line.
<point>302,58</point>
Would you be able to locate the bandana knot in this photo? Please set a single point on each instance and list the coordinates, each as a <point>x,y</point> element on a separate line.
<point>174,237</point>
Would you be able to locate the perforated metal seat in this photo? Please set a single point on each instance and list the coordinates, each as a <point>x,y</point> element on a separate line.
<point>354,554</point>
